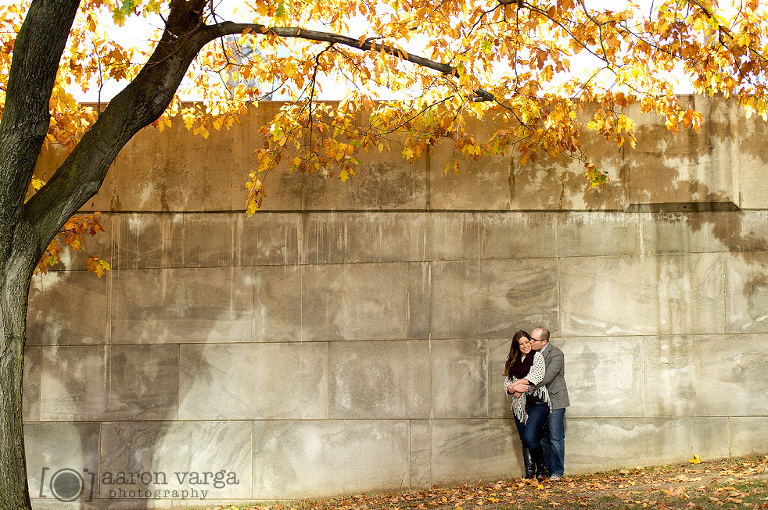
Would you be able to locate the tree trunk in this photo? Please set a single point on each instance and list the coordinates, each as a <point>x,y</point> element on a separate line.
<point>14,290</point>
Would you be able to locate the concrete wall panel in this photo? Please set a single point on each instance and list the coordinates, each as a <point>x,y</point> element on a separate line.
<point>706,375</point>
<point>641,441</point>
<point>277,303</point>
<point>176,456</point>
<point>354,302</point>
<point>464,449</point>
<point>459,379</point>
<point>605,295</point>
<point>380,380</point>
<point>183,305</point>
<point>337,238</point>
<point>115,382</point>
<point>604,375</point>
<point>253,381</point>
<point>67,308</point>
<point>492,299</point>
<point>329,458</point>
<point>746,281</point>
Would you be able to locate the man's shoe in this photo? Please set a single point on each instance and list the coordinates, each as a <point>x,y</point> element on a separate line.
<point>555,477</point>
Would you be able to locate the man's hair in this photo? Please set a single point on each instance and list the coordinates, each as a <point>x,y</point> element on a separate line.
<point>544,333</point>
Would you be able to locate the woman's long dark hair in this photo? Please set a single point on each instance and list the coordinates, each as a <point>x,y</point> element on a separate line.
<point>514,350</point>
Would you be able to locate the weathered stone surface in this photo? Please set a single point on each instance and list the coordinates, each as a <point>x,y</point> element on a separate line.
<point>484,182</point>
<point>751,163</point>
<point>115,382</point>
<point>31,396</point>
<point>747,435</point>
<point>176,456</point>
<point>336,238</point>
<point>518,235</point>
<point>354,302</point>
<point>183,305</point>
<point>706,375</point>
<point>67,308</point>
<point>746,281</point>
<point>61,452</point>
<point>326,458</point>
<point>277,308</point>
<point>499,404</point>
<point>269,238</point>
<point>604,375</point>
<point>464,450</point>
<point>380,380</point>
<point>145,241</point>
<point>679,167</point>
<point>492,299</point>
<point>592,443</point>
<point>421,453</point>
<point>459,379</point>
<point>254,381</point>
<point>605,296</point>
<point>592,234</point>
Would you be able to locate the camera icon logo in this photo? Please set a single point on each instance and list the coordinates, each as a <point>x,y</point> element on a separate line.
<point>67,484</point>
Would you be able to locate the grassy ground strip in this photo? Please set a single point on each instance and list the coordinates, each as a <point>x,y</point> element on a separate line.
<point>721,484</point>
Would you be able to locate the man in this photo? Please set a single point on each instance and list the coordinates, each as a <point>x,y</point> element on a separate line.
<point>554,380</point>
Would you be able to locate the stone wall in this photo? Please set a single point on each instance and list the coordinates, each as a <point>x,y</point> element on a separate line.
<point>351,337</point>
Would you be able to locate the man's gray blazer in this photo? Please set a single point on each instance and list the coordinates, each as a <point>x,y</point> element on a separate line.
<point>554,376</point>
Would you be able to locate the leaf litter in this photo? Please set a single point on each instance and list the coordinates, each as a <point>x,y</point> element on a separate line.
<point>735,483</point>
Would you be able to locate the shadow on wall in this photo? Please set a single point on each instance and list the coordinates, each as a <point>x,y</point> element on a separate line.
<point>105,431</point>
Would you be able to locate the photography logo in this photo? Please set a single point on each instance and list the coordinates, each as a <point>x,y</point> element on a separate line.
<point>67,484</point>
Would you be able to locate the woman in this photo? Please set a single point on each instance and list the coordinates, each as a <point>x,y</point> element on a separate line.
<point>531,409</point>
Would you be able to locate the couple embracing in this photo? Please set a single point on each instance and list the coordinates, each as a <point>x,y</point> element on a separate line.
<point>535,377</point>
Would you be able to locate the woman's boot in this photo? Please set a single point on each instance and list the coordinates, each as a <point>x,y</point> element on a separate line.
<point>530,471</point>
<point>537,456</point>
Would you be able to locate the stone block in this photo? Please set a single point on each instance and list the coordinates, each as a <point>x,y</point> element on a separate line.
<point>492,299</point>
<point>419,281</point>
<point>268,238</point>
<point>115,382</point>
<point>483,184</point>
<point>154,170</point>
<point>460,379</point>
<point>148,241</point>
<point>454,236</point>
<point>604,375</point>
<point>67,308</point>
<point>277,303</point>
<point>499,404</point>
<point>62,463</point>
<point>752,163</point>
<point>300,459</point>
<point>681,372</point>
<point>73,383</point>
<point>421,453</point>
<point>336,237</point>
<point>605,296</point>
<point>746,294</point>
<point>209,240</point>
<point>748,435</point>
<point>669,167</point>
<point>254,381</point>
<point>33,359</point>
<point>381,182</point>
<point>594,444</point>
<point>593,234</point>
<point>354,301</point>
<point>679,232</point>
<point>171,457</point>
<point>469,450</point>
<point>517,235</point>
<point>380,380</point>
<point>183,305</point>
